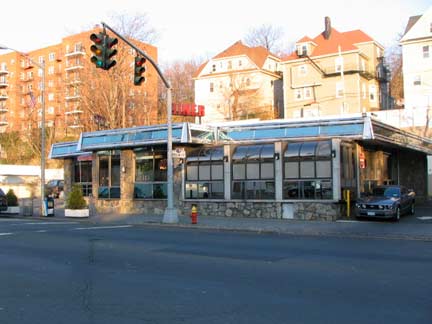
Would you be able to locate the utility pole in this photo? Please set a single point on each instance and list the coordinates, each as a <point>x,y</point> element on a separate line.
<point>170,214</point>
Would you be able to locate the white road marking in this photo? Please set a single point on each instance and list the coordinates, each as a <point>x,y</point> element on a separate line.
<point>4,234</point>
<point>101,227</point>
<point>425,217</point>
<point>349,221</point>
<point>47,223</point>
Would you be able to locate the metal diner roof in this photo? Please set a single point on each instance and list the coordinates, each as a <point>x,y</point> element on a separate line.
<point>359,127</point>
<point>65,149</point>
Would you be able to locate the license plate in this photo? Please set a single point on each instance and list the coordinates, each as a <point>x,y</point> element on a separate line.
<point>371,213</point>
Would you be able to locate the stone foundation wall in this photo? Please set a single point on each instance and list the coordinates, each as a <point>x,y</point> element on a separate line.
<point>255,209</point>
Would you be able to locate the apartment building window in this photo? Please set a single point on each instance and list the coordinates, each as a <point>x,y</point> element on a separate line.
<point>339,89</point>
<point>50,83</point>
<point>214,68</point>
<point>40,85</point>
<point>78,47</point>
<point>40,59</point>
<point>3,67</point>
<point>40,73</point>
<point>339,64</point>
<point>372,93</point>
<point>302,70</point>
<point>51,56</point>
<point>417,80</point>
<point>51,70</point>
<point>51,97</point>
<point>211,86</point>
<point>30,75</point>
<point>426,51</point>
<point>248,82</point>
<point>308,93</point>
<point>240,62</point>
<point>22,76</point>
<point>51,110</point>
<point>229,65</point>
<point>298,94</point>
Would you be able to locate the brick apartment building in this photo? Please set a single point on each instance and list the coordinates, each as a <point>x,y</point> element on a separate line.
<point>71,83</point>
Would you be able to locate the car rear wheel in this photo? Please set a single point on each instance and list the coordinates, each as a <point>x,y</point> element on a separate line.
<point>412,209</point>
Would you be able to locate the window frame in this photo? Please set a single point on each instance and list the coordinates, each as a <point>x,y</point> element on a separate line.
<point>200,187</point>
<point>300,157</point>
<point>158,182</point>
<point>113,191</point>
<point>249,187</point>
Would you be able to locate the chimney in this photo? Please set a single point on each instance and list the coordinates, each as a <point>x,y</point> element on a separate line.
<point>327,30</point>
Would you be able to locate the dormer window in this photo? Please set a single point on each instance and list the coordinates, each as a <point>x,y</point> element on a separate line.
<point>302,50</point>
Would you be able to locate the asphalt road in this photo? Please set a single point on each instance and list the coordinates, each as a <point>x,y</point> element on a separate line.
<point>72,272</point>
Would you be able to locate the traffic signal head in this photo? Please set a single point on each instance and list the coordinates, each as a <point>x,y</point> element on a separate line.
<point>139,69</point>
<point>109,52</point>
<point>97,49</point>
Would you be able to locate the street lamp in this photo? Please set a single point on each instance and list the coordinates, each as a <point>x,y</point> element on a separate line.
<point>41,65</point>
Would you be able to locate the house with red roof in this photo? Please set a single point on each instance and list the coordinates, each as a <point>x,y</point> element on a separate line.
<point>240,83</point>
<point>335,73</point>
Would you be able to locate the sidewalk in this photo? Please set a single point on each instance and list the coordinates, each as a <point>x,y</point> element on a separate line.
<point>370,230</point>
<point>364,229</point>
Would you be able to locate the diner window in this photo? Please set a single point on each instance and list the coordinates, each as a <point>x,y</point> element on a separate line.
<point>253,172</point>
<point>83,175</point>
<point>205,174</point>
<point>109,174</point>
<point>150,174</point>
<point>308,171</point>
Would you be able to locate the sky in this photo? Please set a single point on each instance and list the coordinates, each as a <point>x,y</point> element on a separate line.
<point>201,29</point>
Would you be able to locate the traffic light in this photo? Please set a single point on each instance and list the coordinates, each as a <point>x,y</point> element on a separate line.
<point>139,69</point>
<point>97,49</point>
<point>109,52</point>
<point>103,50</point>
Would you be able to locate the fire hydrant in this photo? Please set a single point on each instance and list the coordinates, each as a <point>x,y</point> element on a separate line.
<point>194,214</point>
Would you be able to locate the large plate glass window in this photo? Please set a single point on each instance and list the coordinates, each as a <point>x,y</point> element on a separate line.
<point>150,174</point>
<point>253,172</point>
<point>204,174</point>
<point>308,170</point>
<point>109,174</point>
<point>83,174</point>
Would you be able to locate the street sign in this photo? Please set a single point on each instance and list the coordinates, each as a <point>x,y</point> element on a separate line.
<point>179,153</point>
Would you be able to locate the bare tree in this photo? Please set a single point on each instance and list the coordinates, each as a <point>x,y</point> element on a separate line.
<point>394,61</point>
<point>267,36</point>
<point>135,26</point>
<point>180,73</point>
<point>243,99</point>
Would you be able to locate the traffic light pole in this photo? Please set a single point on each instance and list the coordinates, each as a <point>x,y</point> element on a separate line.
<point>170,214</point>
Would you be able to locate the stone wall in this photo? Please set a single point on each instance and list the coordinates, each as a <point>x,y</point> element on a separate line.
<point>264,209</point>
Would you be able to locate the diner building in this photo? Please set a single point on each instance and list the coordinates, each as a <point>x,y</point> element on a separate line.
<point>294,169</point>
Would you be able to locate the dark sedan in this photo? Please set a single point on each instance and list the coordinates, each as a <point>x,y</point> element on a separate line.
<point>386,202</point>
<point>3,201</point>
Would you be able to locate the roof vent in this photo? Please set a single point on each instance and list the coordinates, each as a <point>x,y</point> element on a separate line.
<point>327,30</point>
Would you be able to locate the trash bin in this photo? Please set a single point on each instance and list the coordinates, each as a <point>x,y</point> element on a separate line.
<point>49,206</point>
